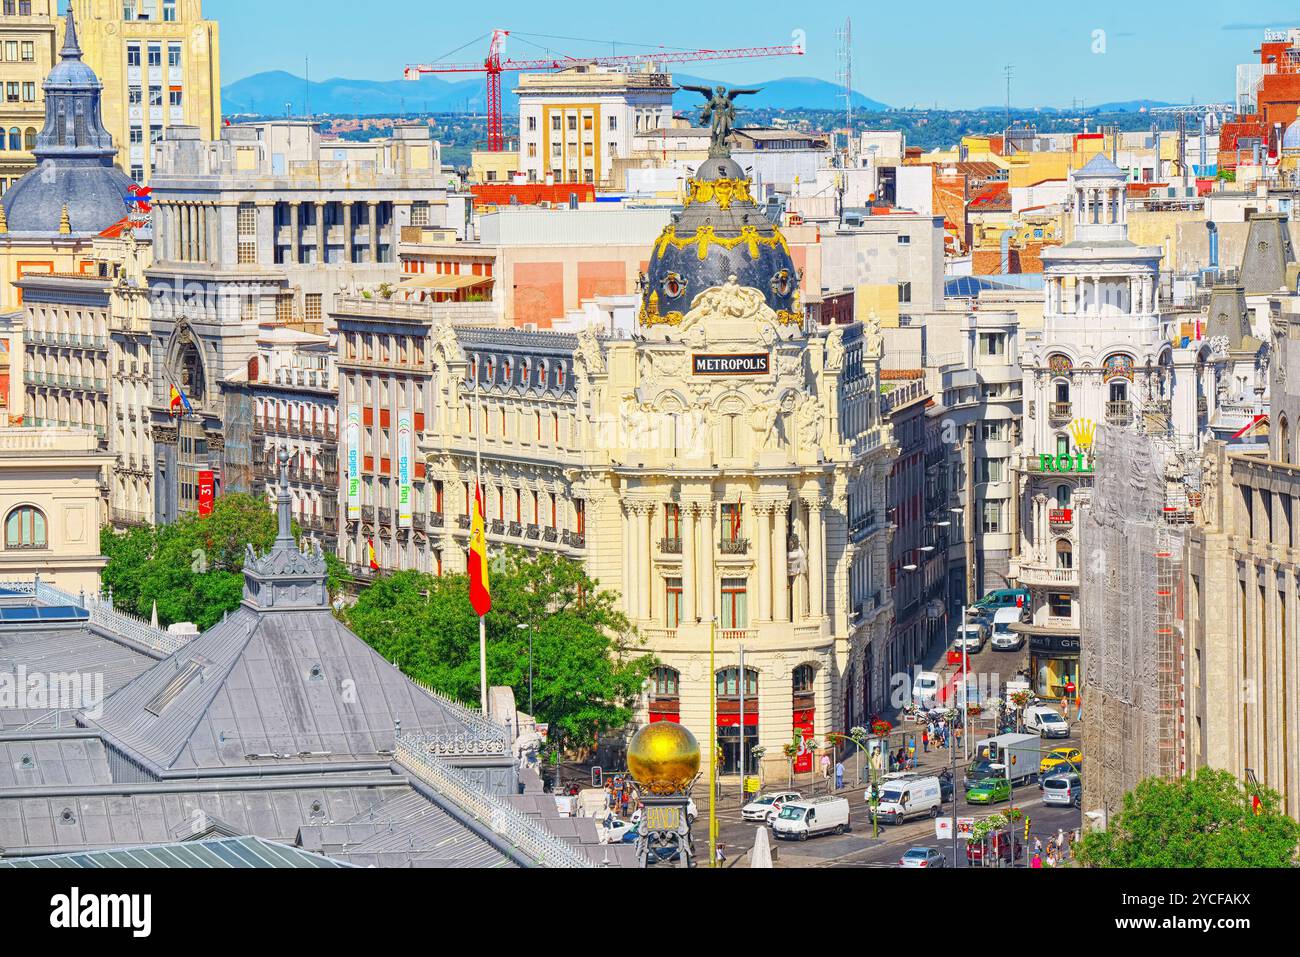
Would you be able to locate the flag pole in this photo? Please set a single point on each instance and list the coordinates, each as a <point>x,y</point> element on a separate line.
<point>480,502</point>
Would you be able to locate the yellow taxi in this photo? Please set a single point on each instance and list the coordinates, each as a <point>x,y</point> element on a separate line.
<point>1058,757</point>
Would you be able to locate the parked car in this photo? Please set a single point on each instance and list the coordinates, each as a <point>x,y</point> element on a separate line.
<point>800,820</point>
<point>1046,721</point>
<point>922,857</point>
<point>1069,757</point>
<point>994,846</point>
<point>767,806</point>
<point>1004,639</point>
<point>1003,598</point>
<point>989,791</point>
<point>615,832</point>
<point>1063,790</point>
<point>970,638</point>
<point>925,686</point>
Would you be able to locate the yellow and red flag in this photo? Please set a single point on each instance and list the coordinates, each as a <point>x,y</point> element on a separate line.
<point>370,554</point>
<point>480,593</point>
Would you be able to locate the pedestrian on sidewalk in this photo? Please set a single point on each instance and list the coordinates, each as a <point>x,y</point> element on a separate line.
<point>839,775</point>
<point>721,857</point>
<point>925,740</point>
<point>1036,860</point>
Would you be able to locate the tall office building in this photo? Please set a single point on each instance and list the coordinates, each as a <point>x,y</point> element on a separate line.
<point>159,61</point>
<point>27,52</point>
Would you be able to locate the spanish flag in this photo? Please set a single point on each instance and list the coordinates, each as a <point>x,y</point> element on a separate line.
<point>179,402</point>
<point>370,554</point>
<point>480,593</point>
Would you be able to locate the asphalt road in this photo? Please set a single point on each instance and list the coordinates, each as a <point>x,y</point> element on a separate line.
<point>860,849</point>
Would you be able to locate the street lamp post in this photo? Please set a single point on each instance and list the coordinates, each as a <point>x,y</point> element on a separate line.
<point>521,626</point>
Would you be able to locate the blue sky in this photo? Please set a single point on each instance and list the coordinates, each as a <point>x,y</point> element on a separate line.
<point>908,53</point>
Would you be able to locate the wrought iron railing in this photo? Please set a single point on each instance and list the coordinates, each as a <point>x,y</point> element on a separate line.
<point>102,613</point>
<point>527,835</point>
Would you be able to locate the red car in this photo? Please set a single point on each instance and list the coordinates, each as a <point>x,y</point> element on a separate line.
<point>994,846</point>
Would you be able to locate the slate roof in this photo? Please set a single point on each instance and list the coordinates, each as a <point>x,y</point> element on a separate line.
<point>64,649</point>
<point>297,684</point>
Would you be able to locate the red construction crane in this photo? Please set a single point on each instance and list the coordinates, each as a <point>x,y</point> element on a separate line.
<point>494,66</point>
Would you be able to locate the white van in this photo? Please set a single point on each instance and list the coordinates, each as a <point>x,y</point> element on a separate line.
<point>909,797</point>
<point>925,686</point>
<point>800,820</point>
<point>1047,721</point>
<point>1004,639</point>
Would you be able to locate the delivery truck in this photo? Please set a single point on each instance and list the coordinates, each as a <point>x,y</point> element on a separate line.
<point>1018,754</point>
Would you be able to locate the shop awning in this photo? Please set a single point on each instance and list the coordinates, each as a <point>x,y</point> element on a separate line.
<point>445,283</point>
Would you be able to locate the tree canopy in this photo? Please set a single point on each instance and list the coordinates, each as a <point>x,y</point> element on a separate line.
<point>587,670</point>
<point>192,568</point>
<point>1208,820</point>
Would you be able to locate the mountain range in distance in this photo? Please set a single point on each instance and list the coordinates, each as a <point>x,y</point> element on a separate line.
<point>272,92</point>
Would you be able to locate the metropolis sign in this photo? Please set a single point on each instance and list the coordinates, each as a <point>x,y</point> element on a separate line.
<point>756,363</point>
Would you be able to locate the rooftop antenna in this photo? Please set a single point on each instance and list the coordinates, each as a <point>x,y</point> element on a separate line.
<point>306,86</point>
<point>845,56</point>
<point>1008,70</point>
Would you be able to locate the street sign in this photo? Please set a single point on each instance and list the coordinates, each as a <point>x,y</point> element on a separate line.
<point>965,825</point>
<point>942,828</point>
<point>662,818</point>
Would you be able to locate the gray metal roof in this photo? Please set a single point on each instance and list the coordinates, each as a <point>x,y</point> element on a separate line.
<point>125,815</point>
<point>53,761</point>
<point>297,685</point>
<point>63,649</point>
<point>216,853</point>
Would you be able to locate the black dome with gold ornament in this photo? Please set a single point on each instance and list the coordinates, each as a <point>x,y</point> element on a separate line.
<point>720,233</point>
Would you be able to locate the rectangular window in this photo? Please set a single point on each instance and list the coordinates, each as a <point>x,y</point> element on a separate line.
<point>672,602</point>
<point>155,54</point>
<point>734,605</point>
<point>155,96</point>
<point>555,123</point>
<point>155,133</point>
<point>135,96</point>
<point>732,515</point>
<point>12,92</point>
<point>29,51</point>
<point>246,223</point>
<point>313,307</point>
<point>169,10</point>
<point>993,344</point>
<point>11,50</point>
<point>532,123</point>
<point>991,517</point>
<point>29,92</point>
<point>904,240</point>
<point>573,122</point>
<point>672,521</point>
<point>133,54</point>
<point>904,292</point>
<point>1058,604</point>
<point>174,98</point>
<point>991,470</point>
<point>174,55</point>
<point>613,122</point>
<point>420,213</point>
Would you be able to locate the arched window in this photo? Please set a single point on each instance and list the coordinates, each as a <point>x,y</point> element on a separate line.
<point>1119,391</point>
<point>802,679</point>
<point>1063,496</point>
<point>15,138</point>
<point>29,139</point>
<point>25,528</point>
<point>1284,440</point>
<point>665,682</point>
<point>729,683</point>
<point>1064,554</point>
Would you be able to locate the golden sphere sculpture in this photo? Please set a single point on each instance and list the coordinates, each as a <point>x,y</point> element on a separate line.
<point>664,758</point>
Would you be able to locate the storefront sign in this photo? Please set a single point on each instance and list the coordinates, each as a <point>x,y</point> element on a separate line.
<point>1061,516</point>
<point>1077,463</point>
<point>803,727</point>
<point>404,468</point>
<point>207,491</point>
<point>1054,644</point>
<point>354,462</point>
<point>965,826</point>
<point>757,363</point>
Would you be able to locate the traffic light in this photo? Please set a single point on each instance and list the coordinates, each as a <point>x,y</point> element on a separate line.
<point>993,750</point>
<point>597,777</point>
<point>1026,828</point>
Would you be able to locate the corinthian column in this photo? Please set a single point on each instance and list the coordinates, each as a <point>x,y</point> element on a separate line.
<point>688,562</point>
<point>780,559</point>
<point>708,546</point>
<point>763,560</point>
<point>816,559</point>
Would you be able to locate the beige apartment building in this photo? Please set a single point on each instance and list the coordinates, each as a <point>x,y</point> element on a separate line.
<point>28,49</point>
<point>159,61</point>
<point>51,507</point>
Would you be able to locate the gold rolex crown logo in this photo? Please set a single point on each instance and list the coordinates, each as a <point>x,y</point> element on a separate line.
<point>1083,431</point>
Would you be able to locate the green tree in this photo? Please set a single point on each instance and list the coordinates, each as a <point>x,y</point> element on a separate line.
<point>1204,821</point>
<point>587,670</point>
<point>192,568</point>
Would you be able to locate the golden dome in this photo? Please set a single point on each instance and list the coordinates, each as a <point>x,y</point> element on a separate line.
<point>664,757</point>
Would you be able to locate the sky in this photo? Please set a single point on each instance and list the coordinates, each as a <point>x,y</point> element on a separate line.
<point>941,52</point>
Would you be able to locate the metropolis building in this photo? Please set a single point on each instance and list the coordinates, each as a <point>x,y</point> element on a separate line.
<point>722,469</point>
